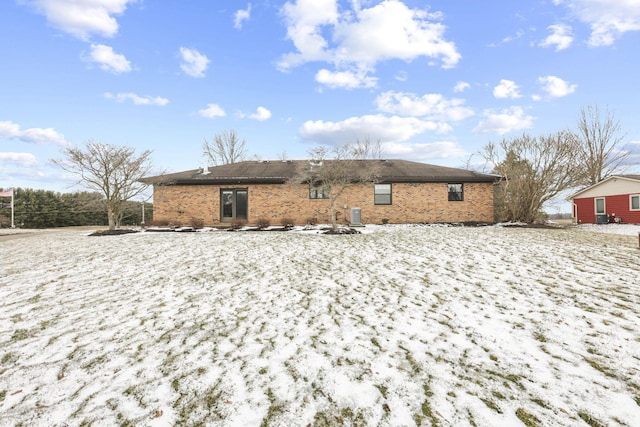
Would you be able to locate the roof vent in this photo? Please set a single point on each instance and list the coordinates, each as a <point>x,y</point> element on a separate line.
<point>205,171</point>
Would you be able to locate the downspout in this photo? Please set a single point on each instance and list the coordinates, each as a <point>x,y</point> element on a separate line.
<point>575,210</point>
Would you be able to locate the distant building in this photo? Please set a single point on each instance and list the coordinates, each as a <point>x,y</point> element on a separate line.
<point>616,198</point>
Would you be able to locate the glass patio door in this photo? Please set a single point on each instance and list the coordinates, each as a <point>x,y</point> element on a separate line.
<point>233,204</point>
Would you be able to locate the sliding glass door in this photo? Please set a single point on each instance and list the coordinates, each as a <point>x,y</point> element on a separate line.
<point>234,204</point>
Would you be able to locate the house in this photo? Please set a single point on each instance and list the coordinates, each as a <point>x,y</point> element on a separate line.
<point>616,198</point>
<point>401,192</point>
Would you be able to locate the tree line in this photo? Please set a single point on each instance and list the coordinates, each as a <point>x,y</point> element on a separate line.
<point>46,209</point>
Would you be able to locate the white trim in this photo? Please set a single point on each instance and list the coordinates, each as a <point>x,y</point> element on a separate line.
<point>604,205</point>
<point>631,196</point>
<point>614,177</point>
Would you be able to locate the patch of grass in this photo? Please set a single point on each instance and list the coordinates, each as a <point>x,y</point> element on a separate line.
<point>527,418</point>
<point>20,334</point>
<point>491,405</point>
<point>8,358</point>
<point>274,410</point>
<point>600,368</point>
<point>3,394</point>
<point>589,419</point>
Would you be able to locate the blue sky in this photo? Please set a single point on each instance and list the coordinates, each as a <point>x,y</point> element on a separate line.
<point>434,81</point>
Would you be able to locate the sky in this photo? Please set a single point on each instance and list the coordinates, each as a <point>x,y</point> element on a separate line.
<point>432,81</point>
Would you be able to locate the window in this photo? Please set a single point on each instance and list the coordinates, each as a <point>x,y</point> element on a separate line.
<point>317,193</point>
<point>600,209</point>
<point>382,194</point>
<point>456,193</point>
<point>635,202</point>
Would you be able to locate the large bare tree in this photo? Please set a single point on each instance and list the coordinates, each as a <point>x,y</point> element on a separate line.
<point>113,171</point>
<point>533,170</point>
<point>331,170</point>
<point>599,150</point>
<point>225,148</point>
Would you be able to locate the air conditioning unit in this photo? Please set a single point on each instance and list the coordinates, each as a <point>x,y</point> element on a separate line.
<point>602,219</point>
<point>356,216</point>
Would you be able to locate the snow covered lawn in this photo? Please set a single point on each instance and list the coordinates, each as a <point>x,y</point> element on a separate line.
<point>400,326</point>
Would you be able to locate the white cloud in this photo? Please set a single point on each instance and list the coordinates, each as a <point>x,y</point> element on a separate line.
<point>11,130</point>
<point>507,89</point>
<point>108,59</point>
<point>346,79</point>
<point>81,18</point>
<point>561,37</point>
<point>608,19</point>
<point>212,111</point>
<point>261,114</point>
<point>193,63</point>
<point>19,159</point>
<point>137,100</point>
<point>240,16</point>
<point>387,129</point>
<point>424,151</point>
<point>364,36</point>
<point>556,87</point>
<point>431,106</point>
<point>505,121</point>
<point>461,87</point>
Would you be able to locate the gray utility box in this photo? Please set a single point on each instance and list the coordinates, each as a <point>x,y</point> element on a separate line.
<point>602,219</point>
<point>356,216</point>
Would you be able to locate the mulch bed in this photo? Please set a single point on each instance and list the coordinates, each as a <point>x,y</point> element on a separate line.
<point>116,232</point>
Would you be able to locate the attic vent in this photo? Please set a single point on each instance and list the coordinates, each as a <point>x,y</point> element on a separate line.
<point>205,171</point>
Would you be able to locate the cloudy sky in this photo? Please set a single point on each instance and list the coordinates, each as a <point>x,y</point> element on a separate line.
<point>433,81</point>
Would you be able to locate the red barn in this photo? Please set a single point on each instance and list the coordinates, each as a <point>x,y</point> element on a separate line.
<point>615,198</point>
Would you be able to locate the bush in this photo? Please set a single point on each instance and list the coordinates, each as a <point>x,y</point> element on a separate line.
<point>197,223</point>
<point>237,224</point>
<point>263,222</point>
<point>161,222</point>
<point>312,221</point>
<point>385,221</point>
<point>286,222</point>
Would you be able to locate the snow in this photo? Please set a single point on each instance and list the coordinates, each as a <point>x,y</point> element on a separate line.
<point>400,325</point>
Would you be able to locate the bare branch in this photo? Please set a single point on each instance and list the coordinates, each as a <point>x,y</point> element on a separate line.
<point>224,149</point>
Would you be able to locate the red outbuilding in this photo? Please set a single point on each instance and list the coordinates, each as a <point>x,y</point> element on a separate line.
<point>615,199</point>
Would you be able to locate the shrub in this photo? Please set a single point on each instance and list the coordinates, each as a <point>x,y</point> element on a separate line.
<point>286,222</point>
<point>263,222</point>
<point>162,222</point>
<point>197,223</point>
<point>385,221</point>
<point>237,224</point>
<point>312,221</point>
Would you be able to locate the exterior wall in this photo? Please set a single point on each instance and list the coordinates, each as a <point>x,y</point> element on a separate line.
<point>619,204</point>
<point>410,203</point>
<point>611,187</point>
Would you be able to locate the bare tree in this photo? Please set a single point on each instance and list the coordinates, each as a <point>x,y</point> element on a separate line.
<point>533,171</point>
<point>224,149</point>
<point>599,152</point>
<point>113,171</point>
<point>331,170</point>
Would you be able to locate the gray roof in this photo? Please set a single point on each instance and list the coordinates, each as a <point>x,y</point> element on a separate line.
<point>277,171</point>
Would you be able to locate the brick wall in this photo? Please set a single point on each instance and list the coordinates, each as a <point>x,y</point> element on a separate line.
<point>411,203</point>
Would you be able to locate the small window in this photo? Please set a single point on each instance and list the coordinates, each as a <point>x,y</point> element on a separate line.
<point>600,209</point>
<point>456,193</point>
<point>382,194</point>
<point>317,193</point>
<point>635,202</point>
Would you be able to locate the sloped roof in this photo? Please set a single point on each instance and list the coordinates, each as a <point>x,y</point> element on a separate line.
<point>277,171</point>
<point>625,177</point>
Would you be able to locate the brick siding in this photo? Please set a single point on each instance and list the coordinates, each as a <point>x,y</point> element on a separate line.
<point>411,203</point>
